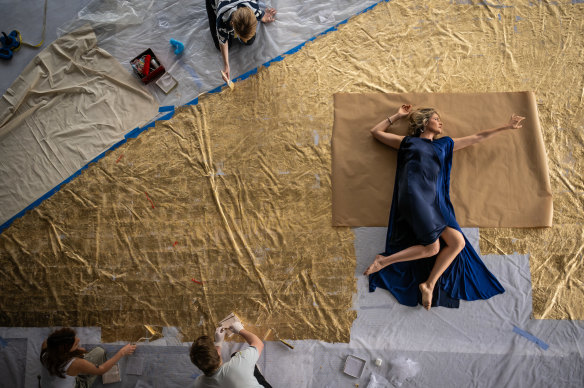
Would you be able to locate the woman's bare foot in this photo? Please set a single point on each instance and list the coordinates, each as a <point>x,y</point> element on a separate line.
<point>427,292</point>
<point>375,266</point>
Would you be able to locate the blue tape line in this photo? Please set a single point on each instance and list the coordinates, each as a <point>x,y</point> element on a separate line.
<point>531,337</point>
<point>291,51</point>
<point>168,108</point>
<point>3,343</point>
<point>137,131</point>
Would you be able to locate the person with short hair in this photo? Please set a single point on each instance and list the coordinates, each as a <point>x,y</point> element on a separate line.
<point>75,367</point>
<point>231,20</point>
<point>239,372</point>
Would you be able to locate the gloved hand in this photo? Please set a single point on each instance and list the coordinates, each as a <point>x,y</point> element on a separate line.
<point>219,336</point>
<point>236,327</point>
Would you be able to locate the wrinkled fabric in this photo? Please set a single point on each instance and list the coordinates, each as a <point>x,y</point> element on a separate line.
<point>70,104</point>
<point>420,211</point>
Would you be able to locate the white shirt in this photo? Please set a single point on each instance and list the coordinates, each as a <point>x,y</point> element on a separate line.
<point>235,373</point>
<point>68,381</point>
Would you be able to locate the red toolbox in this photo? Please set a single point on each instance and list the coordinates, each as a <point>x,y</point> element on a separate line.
<point>147,66</point>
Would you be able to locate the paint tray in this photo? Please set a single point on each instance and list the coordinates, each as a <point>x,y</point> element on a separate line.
<point>354,366</point>
<point>166,82</point>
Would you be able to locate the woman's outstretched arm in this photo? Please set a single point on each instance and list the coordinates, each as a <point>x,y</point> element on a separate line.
<point>390,139</point>
<point>462,142</point>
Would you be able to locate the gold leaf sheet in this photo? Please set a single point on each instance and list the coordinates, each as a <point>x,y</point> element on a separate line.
<point>259,237</point>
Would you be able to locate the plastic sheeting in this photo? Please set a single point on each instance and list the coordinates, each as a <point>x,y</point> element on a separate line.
<point>69,105</point>
<point>127,28</point>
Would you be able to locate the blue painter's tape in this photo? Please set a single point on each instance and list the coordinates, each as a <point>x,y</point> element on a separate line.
<point>291,51</point>
<point>168,108</point>
<point>3,343</point>
<point>134,133</point>
<point>531,337</point>
<point>167,116</point>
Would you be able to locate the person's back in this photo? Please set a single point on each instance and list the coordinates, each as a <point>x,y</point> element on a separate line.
<point>239,372</point>
<point>235,373</point>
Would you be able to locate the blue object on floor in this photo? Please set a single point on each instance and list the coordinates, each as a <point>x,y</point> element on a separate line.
<point>10,41</point>
<point>5,53</point>
<point>179,47</point>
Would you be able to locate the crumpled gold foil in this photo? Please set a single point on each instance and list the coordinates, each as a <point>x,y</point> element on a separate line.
<point>241,183</point>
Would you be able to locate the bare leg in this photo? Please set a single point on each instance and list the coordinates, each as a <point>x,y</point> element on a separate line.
<point>454,244</point>
<point>412,253</point>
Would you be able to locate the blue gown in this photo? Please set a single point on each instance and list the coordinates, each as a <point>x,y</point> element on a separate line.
<point>420,210</point>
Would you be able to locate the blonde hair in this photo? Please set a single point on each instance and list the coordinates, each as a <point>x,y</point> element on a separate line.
<point>419,119</point>
<point>244,23</point>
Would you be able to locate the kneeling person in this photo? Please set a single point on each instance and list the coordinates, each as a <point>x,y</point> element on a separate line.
<point>239,372</point>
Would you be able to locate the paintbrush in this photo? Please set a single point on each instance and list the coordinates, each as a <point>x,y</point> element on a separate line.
<point>229,82</point>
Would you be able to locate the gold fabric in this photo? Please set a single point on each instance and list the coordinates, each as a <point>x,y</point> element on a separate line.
<point>489,180</point>
<point>259,237</point>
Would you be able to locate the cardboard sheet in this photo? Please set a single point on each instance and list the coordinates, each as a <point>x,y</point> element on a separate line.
<point>71,103</point>
<point>501,182</point>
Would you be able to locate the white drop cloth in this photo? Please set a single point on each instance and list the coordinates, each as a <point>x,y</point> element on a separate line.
<point>71,103</point>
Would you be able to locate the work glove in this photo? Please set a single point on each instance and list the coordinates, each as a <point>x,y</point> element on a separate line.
<point>219,336</point>
<point>236,327</point>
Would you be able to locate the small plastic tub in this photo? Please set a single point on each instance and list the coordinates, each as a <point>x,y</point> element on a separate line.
<point>354,366</point>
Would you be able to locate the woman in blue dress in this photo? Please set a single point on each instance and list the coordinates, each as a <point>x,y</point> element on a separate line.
<point>427,258</point>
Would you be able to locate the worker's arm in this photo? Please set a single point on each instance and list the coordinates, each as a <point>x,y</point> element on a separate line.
<point>248,336</point>
<point>83,367</point>
<point>225,54</point>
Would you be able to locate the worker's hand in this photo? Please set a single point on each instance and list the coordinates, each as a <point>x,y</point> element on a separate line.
<point>128,349</point>
<point>236,327</point>
<point>225,74</point>
<point>269,15</point>
<point>219,336</point>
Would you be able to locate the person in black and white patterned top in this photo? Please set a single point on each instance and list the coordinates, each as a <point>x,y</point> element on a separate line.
<point>235,19</point>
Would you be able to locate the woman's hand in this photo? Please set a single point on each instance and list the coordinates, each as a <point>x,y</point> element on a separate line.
<point>127,350</point>
<point>225,74</point>
<point>515,121</point>
<point>404,110</point>
<point>269,15</point>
